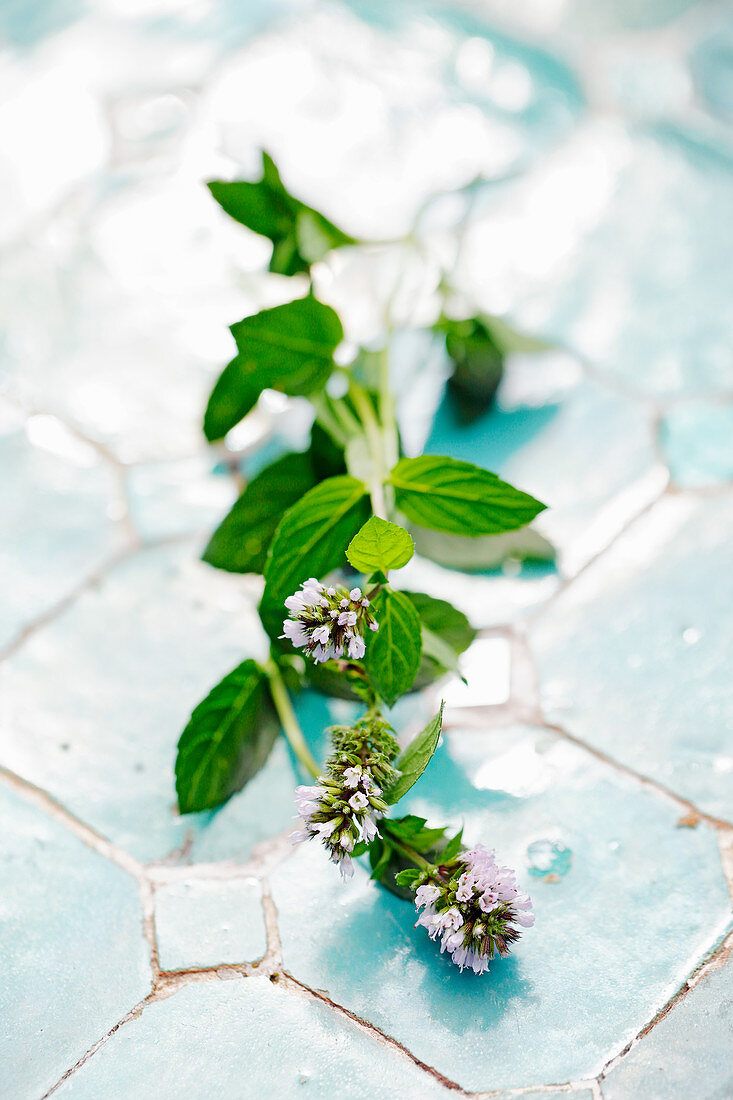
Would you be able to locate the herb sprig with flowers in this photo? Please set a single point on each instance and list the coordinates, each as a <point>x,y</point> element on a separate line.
<point>327,528</point>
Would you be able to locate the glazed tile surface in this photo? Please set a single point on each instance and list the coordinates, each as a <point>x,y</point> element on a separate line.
<point>75,959</point>
<point>152,954</point>
<point>628,879</point>
<point>225,1038</point>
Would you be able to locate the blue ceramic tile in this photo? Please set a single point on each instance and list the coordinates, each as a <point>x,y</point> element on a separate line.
<point>633,657</point>
<point>97,700</point>
<point>616,934</point>
<point>57,477</point>
<point>246,1038</point>
<point>711,63</point>
<point>697,440</point>
<point>687,1052</point>
<point>74,957</point>
<point>584,452</point>
<point>203,923</point>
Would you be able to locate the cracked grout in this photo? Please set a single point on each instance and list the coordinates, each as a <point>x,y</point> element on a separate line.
<point>713,960</point>
<point>131,1015</point>
<point>93,580</point>
<point>287,979</point>
<point>644,780</point>
<point>167,983</point>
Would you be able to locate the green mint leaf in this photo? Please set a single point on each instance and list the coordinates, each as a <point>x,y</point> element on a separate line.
<point>478,364</point>
<point>241,540</point>
<point>380,859</point>
<point>288,348</point>
<point>226,741</point>
<point>310,541</point>
<point>412,830</point>
<point>458,497</point>
<point>393,653</point>
<point>446,633</point>
<point>437,651</point>
<point>380,546</point>
<point>300,235</point>
<point>453,847</point>
<point>325,454</point>
<point>407,826</point>
<point>441,618</point>
<point>482,553</point>
<point>415,759</point>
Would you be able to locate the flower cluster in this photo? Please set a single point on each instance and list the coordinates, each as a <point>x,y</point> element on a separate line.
<point>343,807</point>
<point>328,622</point>
<point>475,907</point>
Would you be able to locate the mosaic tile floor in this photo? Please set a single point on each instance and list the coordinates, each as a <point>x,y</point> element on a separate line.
<point>148,954</point>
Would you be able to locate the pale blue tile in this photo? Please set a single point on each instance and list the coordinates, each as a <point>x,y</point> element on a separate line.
<point>583,451</point>
<point>633,657</point>
<point>711,63</point>
<point>74,957</point>
<point>246,1038</point>
<point>181,497</point>
<point>97,700</point>
<point>697,440</point>
<point>687,1053</point>
<point>615,935</point>
<point>203,923</point>
<point>59,509</point>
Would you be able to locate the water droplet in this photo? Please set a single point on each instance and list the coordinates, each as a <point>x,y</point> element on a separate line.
<point>548,857</point>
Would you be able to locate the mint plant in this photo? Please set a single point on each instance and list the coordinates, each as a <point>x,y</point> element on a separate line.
<point>328,528</point>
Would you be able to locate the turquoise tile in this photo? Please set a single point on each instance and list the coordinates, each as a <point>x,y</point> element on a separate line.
<point>687,1053</point>
<point>711,64</point>
<point>632,658</point>
<point>56,476</point>
<point>583,451</point>
<point>697,440</point>
<point>616,934</point>
<point>74,957</point>
<point>246,1038</point>
<point>97,700</point>
<point>203,923</point>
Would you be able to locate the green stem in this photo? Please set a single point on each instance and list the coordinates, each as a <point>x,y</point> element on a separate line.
<point>368,417</point>
<point>390,439</point>
<point>288,720</point>
<point>406,850</point>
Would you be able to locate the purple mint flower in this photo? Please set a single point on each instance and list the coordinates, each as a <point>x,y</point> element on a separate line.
<point>475,907</point>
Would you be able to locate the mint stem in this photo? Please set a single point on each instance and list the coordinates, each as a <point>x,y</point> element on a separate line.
<point>407,851</point>
<point>288,720</point>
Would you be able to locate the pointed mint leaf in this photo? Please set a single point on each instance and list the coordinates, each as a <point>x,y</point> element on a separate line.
<point>227,740</point>
<point>300,235</point>
<point>288,348</point>
<point>415,759</point>
<point>447,495</point>
<point>311,541</point>
<point>393,653</point>
<point>380,546</point>
<point>241,540</point>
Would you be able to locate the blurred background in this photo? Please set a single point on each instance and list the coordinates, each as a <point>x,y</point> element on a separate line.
<point>569,163</point>
<point>597,136</point>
